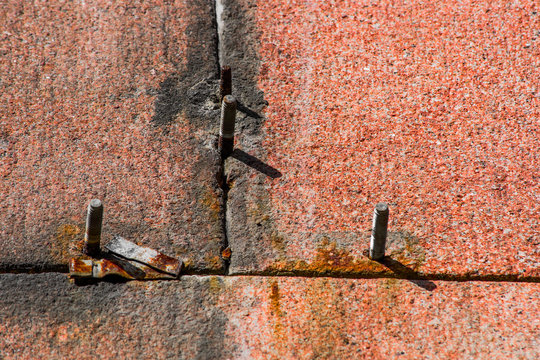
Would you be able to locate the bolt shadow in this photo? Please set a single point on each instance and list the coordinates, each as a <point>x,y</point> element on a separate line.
<point>256,164</point>
<point>242,108</point>
<point>113,279</point>
<point>407,273</point>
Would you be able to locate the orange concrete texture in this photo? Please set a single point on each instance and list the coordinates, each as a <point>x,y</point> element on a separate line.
<point>96,104</point>
<point>44,316</point>
<point>432,107</point>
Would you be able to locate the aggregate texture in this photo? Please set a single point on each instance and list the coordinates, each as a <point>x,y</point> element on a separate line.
<point>432,107</point>
<point>115,101</point>
<point>45,316</point>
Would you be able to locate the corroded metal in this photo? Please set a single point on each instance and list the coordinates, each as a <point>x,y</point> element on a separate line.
<point>113,266</point>
<point>226,132</point>
<point>225,83</point>
<point>128,250</point>
<point>90,268</point>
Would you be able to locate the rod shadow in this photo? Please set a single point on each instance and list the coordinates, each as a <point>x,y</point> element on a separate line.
<point>407,273</point>
<point>242,108</point>
<point>256,164</point>
<point>113,279</point>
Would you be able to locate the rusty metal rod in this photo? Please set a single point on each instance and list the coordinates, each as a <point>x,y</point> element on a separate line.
<point>225,82</point>
<point>94,220</point>
<point>379,231</point>
<point>226,132</point>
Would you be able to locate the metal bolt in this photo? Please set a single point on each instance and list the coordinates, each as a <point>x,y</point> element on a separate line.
<point>94,219</point>
<point>226,132</point>
<point>377,244</point>
<point>225,83</point>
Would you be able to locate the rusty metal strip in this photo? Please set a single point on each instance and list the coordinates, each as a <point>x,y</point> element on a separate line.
<point>92,268</point>
<point>89,268</point>
<point>128,250</point>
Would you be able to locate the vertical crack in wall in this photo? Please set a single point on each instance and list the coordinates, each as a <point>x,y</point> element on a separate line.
<point>218,27</point>
<point>225,250</point>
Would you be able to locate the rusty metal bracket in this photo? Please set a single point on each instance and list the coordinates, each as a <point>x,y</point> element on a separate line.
<point>130,251</point>
<point>127,260</point>
<point>99,268</point>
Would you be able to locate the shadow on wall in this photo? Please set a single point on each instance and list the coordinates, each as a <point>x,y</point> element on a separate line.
<point>403,271</point>
<point>168,102</point>
<point>256,164</point>
<point>241,107</point>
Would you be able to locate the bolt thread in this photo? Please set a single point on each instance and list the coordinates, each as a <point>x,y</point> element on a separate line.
<point>94,220</point>
<point>228,117</point>
<point>225,83</point>
<point>377,246</point>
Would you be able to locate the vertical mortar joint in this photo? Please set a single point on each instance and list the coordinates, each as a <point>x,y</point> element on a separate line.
<point>225,82</point>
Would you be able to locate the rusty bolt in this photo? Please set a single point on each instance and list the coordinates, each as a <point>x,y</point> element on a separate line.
<point>226,132</point>
<point>94,219</point>
<point>225,83</point>
<point>377,244</point>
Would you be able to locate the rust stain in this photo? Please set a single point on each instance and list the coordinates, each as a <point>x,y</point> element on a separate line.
<point>111,268</point>
<point>277,316</point>
<point>92,268</point>
<point>331,259</point>
<point>80,267</point>
<point>327,312</point>
<point>259,211</point>
<point>67,242</point>
<point>162,261</point>
<point>214,261</point>
<point>226,254</point>
<point>329,256</point>
<point>274,299</point>
<point>215,285</point>
<point>188,264</point>
<point>212,201</point>
<point>139,271</point>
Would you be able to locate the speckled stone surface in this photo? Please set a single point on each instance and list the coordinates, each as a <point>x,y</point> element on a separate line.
<point>44,316</point>
<point>432,107</point>
<point>108,100</point>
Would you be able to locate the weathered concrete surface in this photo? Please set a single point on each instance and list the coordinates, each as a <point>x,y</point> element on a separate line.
<point>44,316</point>
<point>432,107</point>
<point>112,101</point>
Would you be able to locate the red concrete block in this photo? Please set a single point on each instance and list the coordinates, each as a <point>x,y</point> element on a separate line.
<point>430,107</point>
<point>310,318</point>
<point>44,316</point>
<point>108,100</point>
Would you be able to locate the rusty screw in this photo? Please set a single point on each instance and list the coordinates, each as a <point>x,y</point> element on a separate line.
<point>226,132</point>
<point>225,83</point>
<point>94,219</point>
<point>377,244</point>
